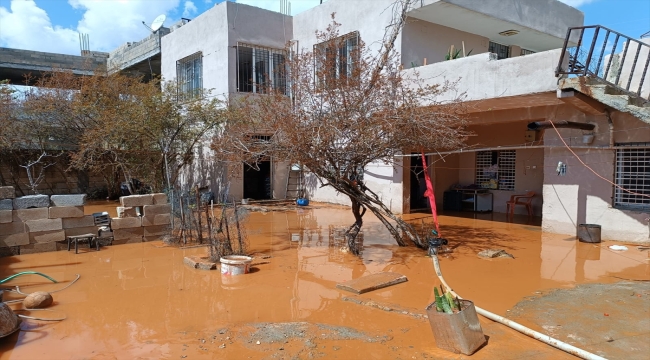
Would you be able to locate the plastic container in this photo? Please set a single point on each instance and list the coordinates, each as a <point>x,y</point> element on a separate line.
<point>235,264</point>
<point>302,202</point>
<point>460,333</point>
<point>589,233</point>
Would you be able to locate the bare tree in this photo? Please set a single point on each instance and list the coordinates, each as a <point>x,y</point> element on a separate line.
<point>341,113</point>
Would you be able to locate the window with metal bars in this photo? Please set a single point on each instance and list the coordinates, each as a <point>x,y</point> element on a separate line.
<point>260,69</point>
<point>189,74</point>
<point>502,51</point>
<point>526,52</point>
<point>337,57</point>
<point>496,169</point>
<point>633,174</point>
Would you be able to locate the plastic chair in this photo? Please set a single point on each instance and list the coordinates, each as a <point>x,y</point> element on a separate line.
<point>103,221</point>
<point>525,200</point>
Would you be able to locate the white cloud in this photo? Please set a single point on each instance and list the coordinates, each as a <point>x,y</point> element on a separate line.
<point>577,3</point>
<point>189,9</point>
<point>109,24</point>
<point>297,6</point>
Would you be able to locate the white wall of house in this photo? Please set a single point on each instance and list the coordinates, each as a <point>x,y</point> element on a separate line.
<point>580,196</point>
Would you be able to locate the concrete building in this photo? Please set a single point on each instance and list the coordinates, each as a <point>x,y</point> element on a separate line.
<point>509,79</point>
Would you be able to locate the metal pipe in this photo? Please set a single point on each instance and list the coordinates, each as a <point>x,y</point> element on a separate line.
<point>541,125</point>
<point>611,129</point>
<point>516,326</point>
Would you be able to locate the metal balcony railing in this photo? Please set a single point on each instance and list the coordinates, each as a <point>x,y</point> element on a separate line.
<point>610,56</point>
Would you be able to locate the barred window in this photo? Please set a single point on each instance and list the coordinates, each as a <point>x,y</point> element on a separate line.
<point>189,74</point>
<point>336,59</point>
<point>526,52</point>
<point>502,51</point>
<point>496,169</point>
<point>633,174</point>
<point>260,69</point>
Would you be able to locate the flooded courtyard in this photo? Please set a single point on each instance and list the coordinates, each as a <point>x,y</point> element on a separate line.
<point>140,301</point>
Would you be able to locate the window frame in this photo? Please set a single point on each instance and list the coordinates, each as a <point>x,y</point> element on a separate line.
<point>345,59</point>
<point>190,86</point>
<point>273,78</point>
<point>498,48</point>
<point>632,156</point>
<point>506,168</point>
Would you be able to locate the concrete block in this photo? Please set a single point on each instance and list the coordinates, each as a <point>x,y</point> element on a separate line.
<point>159,198</point>
<point>7,192</point>
<point>30,214</point>
<point>31,201</point>
<point>14,239</point>
<point>158,230</point>
<point>46,236</point>
<point>136,200</point>
<point>85,221</point>
<point>12,228</point>
<point>38,248</point>
<point>68,200</point>
<point>157,209</point>
<point>6,216</point>
<point>158,219</point>
<point>66,212</point>
<point>9,251</point>
<point>6,204</point>
<point>126,234</point>
<point>81,231</point>
<point>124,212</point>
<point>125,223</point>
<point>43,225</point>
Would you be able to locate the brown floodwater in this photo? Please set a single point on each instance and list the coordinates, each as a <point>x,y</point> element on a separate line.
<point>139,301</point>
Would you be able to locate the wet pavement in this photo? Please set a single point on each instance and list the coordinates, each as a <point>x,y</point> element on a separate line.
<point>140,301</point>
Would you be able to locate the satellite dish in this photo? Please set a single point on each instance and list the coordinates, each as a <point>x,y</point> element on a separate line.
<point>158,22</point>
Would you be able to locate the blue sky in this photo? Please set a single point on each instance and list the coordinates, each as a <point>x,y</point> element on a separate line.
<point>53,25</point>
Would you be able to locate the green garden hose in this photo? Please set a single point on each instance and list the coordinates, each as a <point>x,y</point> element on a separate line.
<point>26,273</point>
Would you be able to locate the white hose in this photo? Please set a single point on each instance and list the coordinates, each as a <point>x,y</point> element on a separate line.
<point>516,326</point>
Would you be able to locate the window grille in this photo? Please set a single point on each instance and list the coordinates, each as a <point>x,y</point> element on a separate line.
<point>526,52</point>
<point>502,51</point>
<point>337,57</point>
<point>633,174</point>
<point>496,169</point>
<point>189,74</point>
<point>260,69</point>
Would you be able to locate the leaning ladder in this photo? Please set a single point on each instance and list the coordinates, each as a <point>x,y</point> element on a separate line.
<point>295,183</point>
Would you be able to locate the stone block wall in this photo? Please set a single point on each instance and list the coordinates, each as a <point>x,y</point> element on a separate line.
<point>142,218</point>
<point>39,223</point>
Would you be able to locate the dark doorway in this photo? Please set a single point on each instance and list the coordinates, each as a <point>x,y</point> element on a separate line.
<point>418,185</point>
<point>257,183</point>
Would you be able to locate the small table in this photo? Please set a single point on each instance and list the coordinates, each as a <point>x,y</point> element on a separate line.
<point>84,237</point>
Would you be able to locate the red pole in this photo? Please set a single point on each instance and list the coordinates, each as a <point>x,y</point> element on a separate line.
<point>430,194</point>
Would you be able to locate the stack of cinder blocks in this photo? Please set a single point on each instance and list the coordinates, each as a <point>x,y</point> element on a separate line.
<point>35,223</point>
<point>141,218</point>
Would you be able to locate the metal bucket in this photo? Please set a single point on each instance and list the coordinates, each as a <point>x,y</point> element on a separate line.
<point>460,333</point>
<point>589,233</point>
<point>235,264</point>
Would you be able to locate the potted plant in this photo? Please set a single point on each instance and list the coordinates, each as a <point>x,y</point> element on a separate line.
<point>455,324</point>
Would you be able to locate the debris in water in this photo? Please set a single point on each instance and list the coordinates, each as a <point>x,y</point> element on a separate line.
<point>372,282</point>
<point>494,253</point>
<point>200,262</point>
<point>38,300</point>
<point>618,247</point>
<point>258,342</point>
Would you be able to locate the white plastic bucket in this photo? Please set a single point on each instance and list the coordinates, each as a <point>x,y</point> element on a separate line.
<point>235,264</point>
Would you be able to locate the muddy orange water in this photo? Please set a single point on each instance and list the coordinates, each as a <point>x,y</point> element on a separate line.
<point>139,301</point>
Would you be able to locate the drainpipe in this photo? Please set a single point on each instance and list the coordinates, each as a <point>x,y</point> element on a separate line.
<point>611,129</point>
<point>548,124</point>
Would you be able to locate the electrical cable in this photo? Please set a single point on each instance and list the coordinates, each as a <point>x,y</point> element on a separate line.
<point>51,292</point>
<point>26,273</point>
<point>40,319</point>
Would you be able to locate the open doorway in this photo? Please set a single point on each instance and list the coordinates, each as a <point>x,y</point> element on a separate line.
<point>257,183</point>
<point>418,185</point>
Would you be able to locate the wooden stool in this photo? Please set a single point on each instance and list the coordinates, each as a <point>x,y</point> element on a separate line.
<point>84,237</point>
